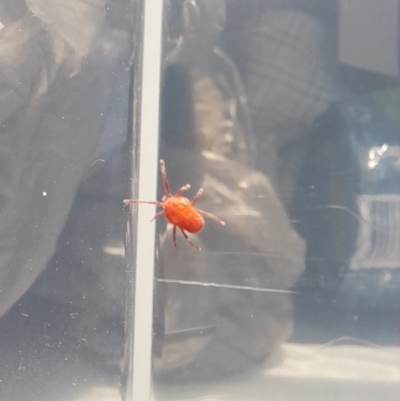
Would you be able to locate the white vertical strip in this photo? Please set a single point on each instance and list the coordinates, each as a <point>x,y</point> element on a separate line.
<point>148,168</point>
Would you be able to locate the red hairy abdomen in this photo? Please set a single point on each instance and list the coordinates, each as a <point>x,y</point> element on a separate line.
<point>180,212</point>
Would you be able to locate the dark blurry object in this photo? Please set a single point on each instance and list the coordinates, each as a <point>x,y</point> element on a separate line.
<point>329,176</point>
<point>193,53</point>
<point>349,205</point>
<point>51,124</point>
<point>282,50</point>
<point>192,29</point>
<point>69,326</point>
<point>63,74</point>
<point>228,308</point>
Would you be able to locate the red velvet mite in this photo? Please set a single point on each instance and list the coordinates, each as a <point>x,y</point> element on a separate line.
<point>180,211</point>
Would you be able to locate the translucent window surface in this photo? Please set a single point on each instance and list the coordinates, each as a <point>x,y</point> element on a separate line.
<point>65,71</point>
<point>286,113</point>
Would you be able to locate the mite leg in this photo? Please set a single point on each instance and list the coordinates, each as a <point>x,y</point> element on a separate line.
<point>164,178</point>
<point>159,214</point>
<point>174,236</point>
<point>131,201</point>
<point>182,189</point>
<point>198,195</point>
<point>211,217</point>
<point>188,240</point>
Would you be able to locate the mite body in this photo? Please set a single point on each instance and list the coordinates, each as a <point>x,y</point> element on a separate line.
<point>178,210</point>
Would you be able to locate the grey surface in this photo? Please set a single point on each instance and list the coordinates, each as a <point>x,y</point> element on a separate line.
<point>227,325</point>
<point>51,128</point>
<point>61,90</point>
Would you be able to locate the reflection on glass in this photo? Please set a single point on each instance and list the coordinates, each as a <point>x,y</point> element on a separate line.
<point>287,114</point>
<point>64,168</point>
<point>293,136</point>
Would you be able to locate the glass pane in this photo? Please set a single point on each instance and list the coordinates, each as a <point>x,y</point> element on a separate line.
<point>286,113</point>
<point>65,169</point>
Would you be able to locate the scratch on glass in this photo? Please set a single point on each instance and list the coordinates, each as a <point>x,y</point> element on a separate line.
<point>359,218</point>
<point>217,285</point>
<point>98,160</point>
